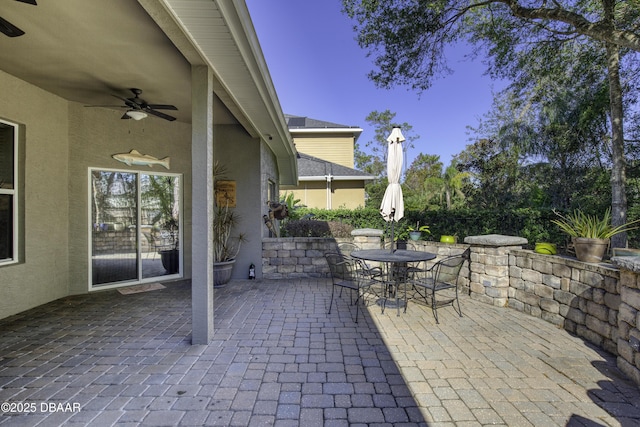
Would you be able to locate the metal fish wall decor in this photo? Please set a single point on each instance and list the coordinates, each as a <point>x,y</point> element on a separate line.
<point>135,158</point>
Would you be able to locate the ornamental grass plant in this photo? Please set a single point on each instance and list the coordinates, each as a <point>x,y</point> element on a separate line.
<point>579,224</point>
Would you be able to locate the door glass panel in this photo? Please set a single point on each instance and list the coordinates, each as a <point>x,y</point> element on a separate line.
<point>160,224</point>
<point>114,227</point>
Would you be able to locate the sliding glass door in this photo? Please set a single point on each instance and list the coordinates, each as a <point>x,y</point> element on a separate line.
<point>135,227</point>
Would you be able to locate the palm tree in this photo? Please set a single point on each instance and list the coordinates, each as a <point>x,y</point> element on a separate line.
<point>449,185</point>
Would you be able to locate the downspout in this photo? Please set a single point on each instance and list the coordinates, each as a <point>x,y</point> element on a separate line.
<point>328,178</point>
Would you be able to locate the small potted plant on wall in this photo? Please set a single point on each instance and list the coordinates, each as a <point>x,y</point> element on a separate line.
<point>590,234</point>
<point>416,233</point>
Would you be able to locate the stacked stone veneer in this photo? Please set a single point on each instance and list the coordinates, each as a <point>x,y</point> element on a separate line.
<point>629,317</point>
<point>489,279</point>
<point>295,257</point>
<point>583,298</point>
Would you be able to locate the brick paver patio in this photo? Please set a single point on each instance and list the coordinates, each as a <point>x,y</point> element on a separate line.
<point>278,359</point>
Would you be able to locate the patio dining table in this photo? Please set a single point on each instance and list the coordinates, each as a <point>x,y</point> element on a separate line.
<point>392,282</point>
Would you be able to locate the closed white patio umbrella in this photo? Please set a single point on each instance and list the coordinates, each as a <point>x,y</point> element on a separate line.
<point>392,206</point>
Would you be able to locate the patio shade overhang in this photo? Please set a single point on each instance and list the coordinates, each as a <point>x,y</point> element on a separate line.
<point>87,51</point>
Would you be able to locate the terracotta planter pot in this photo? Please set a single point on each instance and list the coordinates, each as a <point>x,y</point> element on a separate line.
<point>222,273</point>
<point>590,250</point>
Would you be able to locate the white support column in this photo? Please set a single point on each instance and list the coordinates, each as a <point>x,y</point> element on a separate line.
<point>202,204</point>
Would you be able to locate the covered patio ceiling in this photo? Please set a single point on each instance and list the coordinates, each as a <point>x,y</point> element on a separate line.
<point>89,51</point>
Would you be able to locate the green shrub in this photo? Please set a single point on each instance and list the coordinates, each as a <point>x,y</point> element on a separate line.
<point>315,228</point>
<point>533,224</point>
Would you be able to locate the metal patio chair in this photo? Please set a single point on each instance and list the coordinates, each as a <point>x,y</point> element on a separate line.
<point>346,273</point>
<point>345,248</point>
<point>438,285</point>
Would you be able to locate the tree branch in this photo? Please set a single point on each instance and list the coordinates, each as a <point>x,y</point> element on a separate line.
<point>597,30</point>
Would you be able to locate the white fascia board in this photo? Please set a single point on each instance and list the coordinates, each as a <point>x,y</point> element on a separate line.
<point>356,132</point>
<point>337,178</point>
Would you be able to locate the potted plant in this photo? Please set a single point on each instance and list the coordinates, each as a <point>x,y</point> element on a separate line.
<point>445,238</point>
<point>225,246</point>
<point>590,234</point>
<point>170,257</point>
<point>159,197</point>
<point>416,233</point>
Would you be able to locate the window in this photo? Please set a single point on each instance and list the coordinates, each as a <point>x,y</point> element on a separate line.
<point>8,192</point>
<point>271,192</point>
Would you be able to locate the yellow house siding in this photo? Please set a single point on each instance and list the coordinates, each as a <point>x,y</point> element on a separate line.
<point>347,194</point>
<point>343,194</point>
<point>331,147</point>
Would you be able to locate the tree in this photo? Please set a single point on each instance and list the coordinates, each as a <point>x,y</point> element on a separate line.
<point>382,122</point>
<point>376,162</point>
<point>553,119</point>
<point>423,167</point>
<point>495,175</point>
<point>409,40</point>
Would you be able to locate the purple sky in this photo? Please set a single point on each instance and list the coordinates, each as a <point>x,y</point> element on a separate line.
<point>319,71</point>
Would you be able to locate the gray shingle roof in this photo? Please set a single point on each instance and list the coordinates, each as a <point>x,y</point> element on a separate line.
<point>309,166</point>
<point>300,122</point>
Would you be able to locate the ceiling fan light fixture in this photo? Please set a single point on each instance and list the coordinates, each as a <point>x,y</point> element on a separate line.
<point>136,115</point>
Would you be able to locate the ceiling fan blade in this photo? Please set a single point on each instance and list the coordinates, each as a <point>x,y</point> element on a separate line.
<point>8,29</point>
<point>33,2</point>
<point>159,114</point>
<point>162,107</point>
<point>106,106</point>
<point>129,102</point>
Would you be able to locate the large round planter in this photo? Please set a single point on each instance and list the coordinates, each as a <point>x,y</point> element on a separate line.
<point>448,239</point>
<point>590,250</point>
<point>222,273</point>
<point>171,260</point>
<point>545,248</point>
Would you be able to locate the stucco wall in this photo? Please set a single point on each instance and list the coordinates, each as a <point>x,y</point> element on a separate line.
<point>95,134</point>
<point>240,153</point>
<point>42,274</point>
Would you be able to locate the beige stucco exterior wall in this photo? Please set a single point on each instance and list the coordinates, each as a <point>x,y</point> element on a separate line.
<point>62,140</point>
<point>42,275</point>
<point>334,148</point>
<point>95,134</point>
<point>240,153</point>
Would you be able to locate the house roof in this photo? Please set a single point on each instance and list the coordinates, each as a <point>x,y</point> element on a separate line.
<point>301,125</point>
<point>89,51</point>
<point>313,169</point>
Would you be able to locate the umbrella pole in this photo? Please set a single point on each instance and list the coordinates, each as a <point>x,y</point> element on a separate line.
<point>392,239</point>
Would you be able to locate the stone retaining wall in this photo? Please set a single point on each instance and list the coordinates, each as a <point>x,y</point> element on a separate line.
<point>582,298</point>
<point>629,317</point>
<point>289,257</point>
